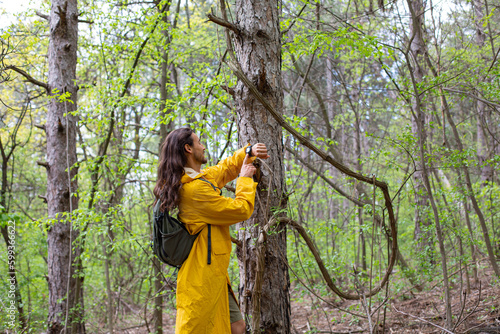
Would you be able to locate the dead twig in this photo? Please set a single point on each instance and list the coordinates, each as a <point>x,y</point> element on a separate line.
<point>462,309</point>
<point>423,320</point>
<point>474,310</point>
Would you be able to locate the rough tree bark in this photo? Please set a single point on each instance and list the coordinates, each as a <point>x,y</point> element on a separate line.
<point>422,215</point>
<point>61,154</point>
<point>258,49</point>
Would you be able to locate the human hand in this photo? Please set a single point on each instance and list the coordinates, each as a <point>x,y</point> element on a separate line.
<point>248,169</point>
<point>259,150</point>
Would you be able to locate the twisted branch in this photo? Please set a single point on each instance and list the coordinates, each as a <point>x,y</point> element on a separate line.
<point>236,69</point>
<point>344,169</point>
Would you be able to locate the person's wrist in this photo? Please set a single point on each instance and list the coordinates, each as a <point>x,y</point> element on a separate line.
<point>248,150</point>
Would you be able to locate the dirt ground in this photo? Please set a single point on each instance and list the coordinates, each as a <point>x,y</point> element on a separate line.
<point>408,311</point>
<point>411,312</point>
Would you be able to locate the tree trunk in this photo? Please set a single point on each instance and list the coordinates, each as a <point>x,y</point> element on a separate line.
<point>472,239</point>
<point>418,50</point>
<point>468,182</point>
<point>456,226</point>
<point>61,155</point>
<point>110,307</point>
<point>483,117</point>
<point>470,191</point>
<point>357,164</point>
<point>422,215</point>
<point>258,49</point>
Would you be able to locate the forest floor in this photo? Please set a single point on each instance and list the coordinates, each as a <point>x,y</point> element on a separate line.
<point>411,312</point>
<point>408,311</point>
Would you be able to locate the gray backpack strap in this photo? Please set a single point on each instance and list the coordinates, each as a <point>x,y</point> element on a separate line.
<point>209,255</point>
<point>209,251</point>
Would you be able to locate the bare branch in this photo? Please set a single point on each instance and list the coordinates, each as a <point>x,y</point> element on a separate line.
<point>473,310</point>
<point>231,189</point>
<point>228,140</point>
<point>229,90</point>
<point>224,23</point>
<point>43,16</point>
<point>236,242</point>
<point>327,180</point>
<point>40,126</point>
<point>322,106</point>
<point>230,48</point>
<point>490,103</point>
<point>302,88</point>
<point>28,77</point>
<point>293,22</point>
<point>43,164</point>
<point>234,66</point>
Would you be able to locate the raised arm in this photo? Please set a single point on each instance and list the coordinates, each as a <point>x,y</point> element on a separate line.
<point>207,206</point>
<point>228,169</point>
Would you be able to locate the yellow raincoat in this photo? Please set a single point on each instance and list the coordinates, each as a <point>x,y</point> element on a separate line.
<point>202,289</point>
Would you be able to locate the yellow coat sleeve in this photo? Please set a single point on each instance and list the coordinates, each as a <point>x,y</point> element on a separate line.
<point>201,204</point>
<point>228,169</point>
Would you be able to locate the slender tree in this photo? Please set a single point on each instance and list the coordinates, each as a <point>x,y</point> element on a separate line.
<point>423,220</point>
<point>418,52</point>
<point>484,151</point>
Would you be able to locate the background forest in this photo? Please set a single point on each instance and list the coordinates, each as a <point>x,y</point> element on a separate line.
<point>398,92</point>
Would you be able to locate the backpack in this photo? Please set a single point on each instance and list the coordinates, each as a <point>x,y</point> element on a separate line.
<point>172,242</point>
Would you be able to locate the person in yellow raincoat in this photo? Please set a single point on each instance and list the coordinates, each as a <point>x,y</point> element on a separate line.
<point>205,301</point>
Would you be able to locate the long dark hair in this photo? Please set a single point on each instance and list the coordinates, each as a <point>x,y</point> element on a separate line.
<point>171,168</point>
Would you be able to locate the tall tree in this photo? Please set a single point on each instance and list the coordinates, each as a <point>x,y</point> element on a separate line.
<point>422,232</point>
<point>418,51</point>
<point>61,181</point>
<point>258,50</point>
<point>483,117</point>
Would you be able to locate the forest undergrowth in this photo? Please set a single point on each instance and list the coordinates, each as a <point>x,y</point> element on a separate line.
<point>407,311</point>
<point>402,311</point>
